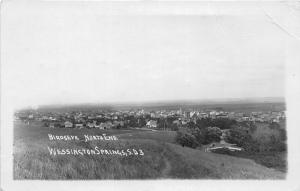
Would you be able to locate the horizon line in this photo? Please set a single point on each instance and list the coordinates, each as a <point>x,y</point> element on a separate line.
<point>179,101</point>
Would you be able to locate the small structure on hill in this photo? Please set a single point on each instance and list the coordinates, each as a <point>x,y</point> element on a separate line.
<point>222,145</point>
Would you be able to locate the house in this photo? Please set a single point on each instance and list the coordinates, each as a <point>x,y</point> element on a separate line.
<point>102,126</point>
<point>193,114</point>
<point>90,125</point>
<point>153,115</point>
<point>79,125</point>
<point>118,124</point>
<point>107,125</point>
<point>203,115</point>
<point>45,118</point>
<point>184,122</point>
<point>68,124</point>
<point>52,118</point>
<point>151,124</point>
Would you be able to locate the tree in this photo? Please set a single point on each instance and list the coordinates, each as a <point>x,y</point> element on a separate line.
<point>204,122</point>
<point>191,125</point>
<point>185,138</point>
<point>222,123</point>
<point>199,134</point>
<point>46,124</point>
<point>213,134</point>
<point>237,136</point>
<point>273,143</point>
<point>274,125</point>
<point>141,122</point>
<point>242,138</point>
<point>173,127</point>
<point>282,134</point>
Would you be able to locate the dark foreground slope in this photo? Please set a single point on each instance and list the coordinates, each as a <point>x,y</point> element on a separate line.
<point>162,158</point>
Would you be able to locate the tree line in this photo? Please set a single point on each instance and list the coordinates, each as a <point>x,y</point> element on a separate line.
<point>243,134</point>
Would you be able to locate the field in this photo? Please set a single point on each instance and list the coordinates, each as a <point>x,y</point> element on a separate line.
<point>162,159</point>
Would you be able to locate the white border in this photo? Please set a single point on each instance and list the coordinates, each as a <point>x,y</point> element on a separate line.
<point>146,7</point>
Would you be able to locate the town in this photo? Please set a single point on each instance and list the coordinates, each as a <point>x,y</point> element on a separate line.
<point>139,118</point>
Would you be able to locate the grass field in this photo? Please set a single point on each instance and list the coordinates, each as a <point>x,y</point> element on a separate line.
<point>162,158</point>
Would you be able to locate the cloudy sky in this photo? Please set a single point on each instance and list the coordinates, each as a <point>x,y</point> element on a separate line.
<point>77,53</point>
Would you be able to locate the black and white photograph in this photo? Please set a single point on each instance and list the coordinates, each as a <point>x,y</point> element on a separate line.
<point>148,91</point>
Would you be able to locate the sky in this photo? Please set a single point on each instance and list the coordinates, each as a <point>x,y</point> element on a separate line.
<point>56,53</point>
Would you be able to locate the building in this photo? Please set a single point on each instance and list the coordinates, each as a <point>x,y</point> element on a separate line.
<point>68,124</point>
<point>79,125</point>
<point>151,124</point>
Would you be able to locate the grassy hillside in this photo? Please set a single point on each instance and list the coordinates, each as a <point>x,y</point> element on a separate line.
<point>162,158</point>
